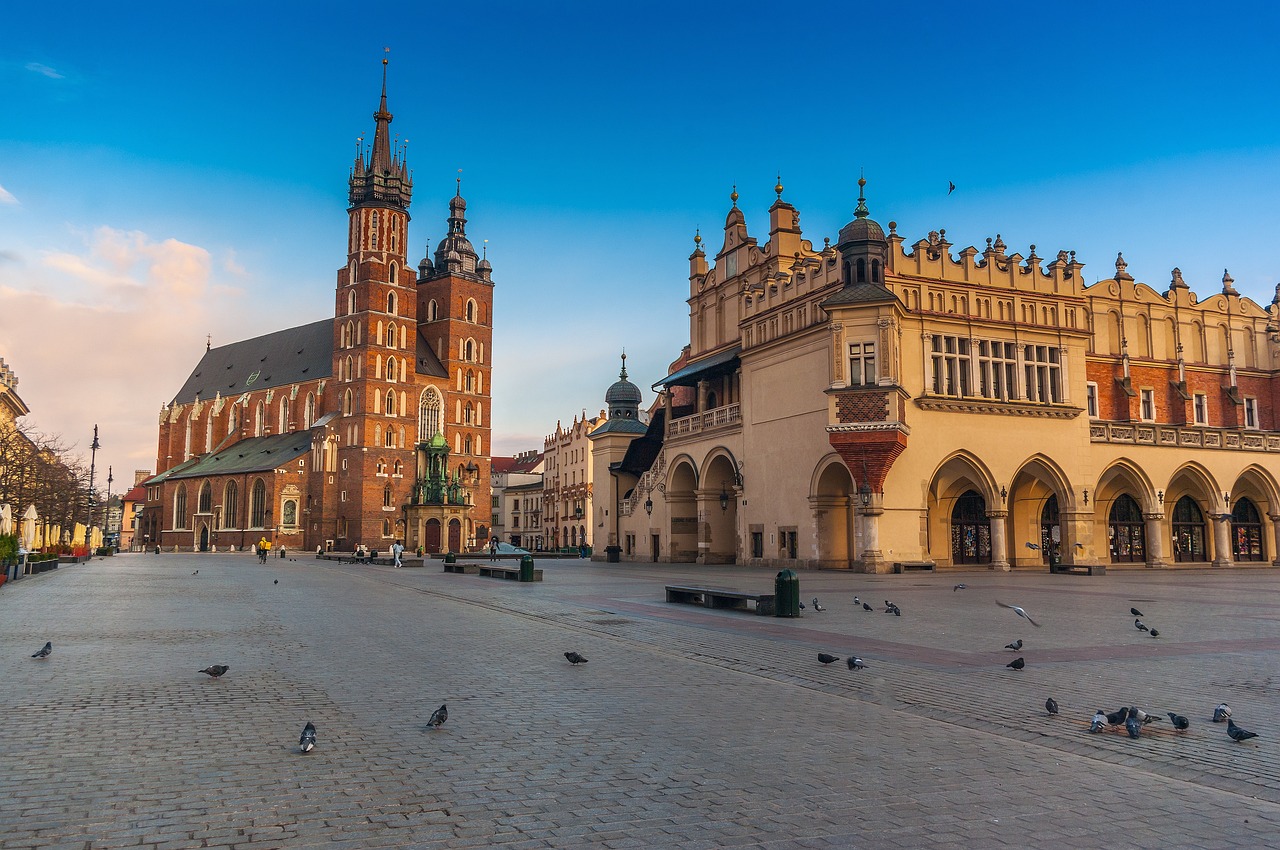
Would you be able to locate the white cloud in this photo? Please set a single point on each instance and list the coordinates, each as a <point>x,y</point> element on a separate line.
<point>6,197</point>
<point>40,68</point>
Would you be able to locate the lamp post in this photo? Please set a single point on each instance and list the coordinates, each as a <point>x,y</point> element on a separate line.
<point>106,526</point>
<point>88,526</point>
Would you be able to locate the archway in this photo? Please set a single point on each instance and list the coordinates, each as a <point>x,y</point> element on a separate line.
<point>204,537</point>
<point>718,505</point>
<point>970,530</point>
<point>1189,537</point>
<point>682,507</point>
<point>455,535</point>
<point>1126,531</point>
<point>1128,511</point>
<point>979,538</point>
<point>1038,531</point>
<point>431,537</point>
<point>1246,532</point>
<point>832,500</point>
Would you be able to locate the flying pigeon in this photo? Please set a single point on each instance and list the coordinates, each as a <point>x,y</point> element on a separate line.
<point>1131,724</point>
<point>1238,733</point>
<point>1155,632</point>
<point>1017,663</point>
<point>1031,545</point>
<point>1021,613</point>
<point>960,586</point>
<point>1179,722</point>
<point>1221,713</point>
<point>44,651</point>
<point>1015,646</point>
<point>856,663</point>
<point>953,187</point>
<point>816,606</point>
<point>1117,717</point>
<point>866,607</point>
<point>575,658</point>
<point>1099,721</point>
<point>826,658</point>
<point>1135,612</point>
<point>197,572</point>
<point>1140,626</point>
<point>216,671</point>
<point>438,717</point>
<point>1051,705</point>
<point>308,740</point>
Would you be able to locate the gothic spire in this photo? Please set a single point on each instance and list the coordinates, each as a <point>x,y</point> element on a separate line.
<point>383,179</point>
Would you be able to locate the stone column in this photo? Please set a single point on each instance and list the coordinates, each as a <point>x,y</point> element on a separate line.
<point>702,396</point>
<point>1222,541</point>
<point>999,540</point>
<point>1154,542</point>
<point>871,558</point>
<point>1077,546</point>
<point>1275,538</point>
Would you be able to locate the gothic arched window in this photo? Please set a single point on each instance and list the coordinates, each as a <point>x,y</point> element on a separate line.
<point>429,408</point>
<point>258,504</point>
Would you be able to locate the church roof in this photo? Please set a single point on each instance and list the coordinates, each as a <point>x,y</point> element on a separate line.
<point>288,356</point>
<point>254,454</point>
<point>427,361</point>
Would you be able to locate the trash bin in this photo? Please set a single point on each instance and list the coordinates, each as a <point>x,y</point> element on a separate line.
<point>786,594</point>
<point>450,558</point>
<point>612,554</point>
<point>526,568</point>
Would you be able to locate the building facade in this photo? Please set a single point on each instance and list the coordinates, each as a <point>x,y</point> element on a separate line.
<point>568,476</point>
<point>313,436</point>
<point>516,488</point>
<point>870,403</point>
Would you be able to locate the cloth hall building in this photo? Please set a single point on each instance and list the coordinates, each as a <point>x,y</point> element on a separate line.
<point>871,402</point>
<point>359,429</point>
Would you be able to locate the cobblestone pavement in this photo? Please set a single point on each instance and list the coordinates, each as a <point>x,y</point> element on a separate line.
<point>688,727</point>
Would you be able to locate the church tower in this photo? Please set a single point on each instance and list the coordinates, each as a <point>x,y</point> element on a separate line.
<point>374,346</point>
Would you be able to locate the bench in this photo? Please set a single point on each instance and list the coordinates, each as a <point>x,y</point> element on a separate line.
<point>715,597</point>
<point>471,569</point>
<point>1078,569</point>
<point>902,566</point>
<point>509,573</point>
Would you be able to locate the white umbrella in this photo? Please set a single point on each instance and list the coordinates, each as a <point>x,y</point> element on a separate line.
<point>29,518</point>
<point>6,519</point>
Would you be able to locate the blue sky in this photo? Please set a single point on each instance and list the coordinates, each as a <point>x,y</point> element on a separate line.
<point>168,172</point>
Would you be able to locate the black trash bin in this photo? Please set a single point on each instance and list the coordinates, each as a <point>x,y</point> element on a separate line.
<point>450,558</point>
<point>786,594</point>
<point>526,568</point>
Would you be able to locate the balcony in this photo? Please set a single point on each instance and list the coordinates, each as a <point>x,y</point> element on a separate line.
<point>712,420</point>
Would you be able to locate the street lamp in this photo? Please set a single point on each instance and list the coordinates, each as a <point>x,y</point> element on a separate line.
<point>724,498</point>
<point>93,456</point>
<point>648,506</point>
<point>107,524</point>
<point>864,493</point>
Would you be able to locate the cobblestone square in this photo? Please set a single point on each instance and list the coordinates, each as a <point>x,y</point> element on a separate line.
<point>688,727</point>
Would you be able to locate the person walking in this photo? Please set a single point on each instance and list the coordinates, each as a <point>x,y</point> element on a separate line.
<point>493,549</point>
<point>396,551</point>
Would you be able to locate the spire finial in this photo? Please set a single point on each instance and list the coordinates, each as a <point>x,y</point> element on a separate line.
<point>778,188</point>
<point>697,237</point>
<point>208,341</point>
<point>733,196</point>
<point>458,194</point>
<point>484,250</point>
<point>623,374</point>
<point>861,211</point>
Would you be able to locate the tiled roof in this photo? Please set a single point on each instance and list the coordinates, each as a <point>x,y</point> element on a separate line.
<point>255,454</point>
<point>288,356</point>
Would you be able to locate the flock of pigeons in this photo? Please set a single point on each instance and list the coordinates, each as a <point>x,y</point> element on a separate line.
<point>1131,718</point>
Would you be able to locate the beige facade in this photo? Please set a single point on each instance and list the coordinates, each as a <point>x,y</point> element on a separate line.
<point>871,403</point>
<point>568,478</point>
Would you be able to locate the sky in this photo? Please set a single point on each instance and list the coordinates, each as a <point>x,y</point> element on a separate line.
<point>176,173</point>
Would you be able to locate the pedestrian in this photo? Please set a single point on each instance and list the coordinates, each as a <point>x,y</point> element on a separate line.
<point>396,551</point>
<point>493,549</point>
<point>582,550</point>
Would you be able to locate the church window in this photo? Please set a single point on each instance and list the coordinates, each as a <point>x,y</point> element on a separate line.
<point>390,407</point>
<point>862,270</point>
<point>208,433</point>
<point>346,403</point>
<point>351,304</point>
<point>468,350</point>
<point>391,335</point>
<point>468,414</point>
<point>433,310</point>
<point>310,411</point>
<point>470,381</point>
<point>259,420</point>
<point>479,451</point>
<point>204,502</point>
<point>377,335</point>
<point>397,468</point>
<point>429,408</point>
<point>373,231</point>
<point>391,303</point>
<point>180,507</point>
<point>380,468</point>
<point>230,505</point>
<point>471,310</point>
<point>875,272</point>
<point>391,369</point>
<point>862,364</point>
<point>284,416</point>
<point>395,269</point>
<point>390,442</point>
<point>258,504</point>
<point>377,435</point>
<point>386,501</point>
<point>466,446</point>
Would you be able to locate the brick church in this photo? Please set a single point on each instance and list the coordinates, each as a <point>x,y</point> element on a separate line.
<point>362,428</point>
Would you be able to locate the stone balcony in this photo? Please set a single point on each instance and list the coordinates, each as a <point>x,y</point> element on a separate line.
<point>719,418</point>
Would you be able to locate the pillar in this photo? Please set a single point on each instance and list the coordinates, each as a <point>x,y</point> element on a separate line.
<point>1222,556</point>
<point>999,540</point>
<point>871,558</point>
<point>1275,538</point>
<point>1154,542</point>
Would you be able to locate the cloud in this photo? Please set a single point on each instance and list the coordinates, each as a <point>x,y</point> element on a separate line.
<point>7,198</point>
<point>10,257</point>
<point>39,68</point>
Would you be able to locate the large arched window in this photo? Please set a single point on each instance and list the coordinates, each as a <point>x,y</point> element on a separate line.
<point>389,407</point>
<point>471,310</point>
<point>970,530</point>
<point>468,414</point>
<point>1246,532</point>
<point>204,503</point>
<point>391,370</point>
<point>180,507</point>
<point>259,420</point>
<point>258,504</point>
<point>208,433</point>
<point>469,351</point>
<point>231,506</point>
<point>433,310</point>
<point>429,410</point>
<point>1125,531</point>
<point>1188,531</point>
<point>391,335</point>
<point>346,403</point>
<point>310,411</point>
<point>386,496</point>
<point>347,372</point>
<point>351,307</point>
<point>284,416</point>
<point>391,303</point>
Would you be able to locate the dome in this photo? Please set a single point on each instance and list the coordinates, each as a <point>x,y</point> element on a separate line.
<point>484,265</point>
<point>623,392</point>
<point>863,228</point>
<point>438,441</point>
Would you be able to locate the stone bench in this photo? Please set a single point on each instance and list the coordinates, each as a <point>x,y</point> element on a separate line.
<point>471,569</point>
<point>509,573</point>
<point>902,566</point>
<point>717,597</point>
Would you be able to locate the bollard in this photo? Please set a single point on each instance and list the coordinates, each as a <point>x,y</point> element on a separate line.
<point>526,568</point>
<point>450,558</point>
<point>786,594</point>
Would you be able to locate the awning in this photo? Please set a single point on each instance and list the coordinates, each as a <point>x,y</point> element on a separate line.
<point>716,364</point>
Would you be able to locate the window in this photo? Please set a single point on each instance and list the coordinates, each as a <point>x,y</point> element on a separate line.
<point>180,507</point>
<point>259,420</point>
<point>310,411</point>
<point>862,364</point>
<point>997,370</point>
<point>429,415</point>
<point>950,365</point>
<point>1091,399</point>
<point>1251,413</point>
<point>471,310</point>
<point>373,231</point>
<point>231,506</point>
<point>398,468</point>
<point>351,305</point>
<point>386,496</point>
<point>1200,405</point>
<point>346,403</point>
<point>468,350</point>
<point>1148,405</point>
<point>391,303</point>
<point>1043,373</point>
<point>390,407</point>
<point>391,335</point>
<point>433,310</point>
<point>258,505</point>
<point>204,503</point>
<point>391,370</point>
<point>390,439</point>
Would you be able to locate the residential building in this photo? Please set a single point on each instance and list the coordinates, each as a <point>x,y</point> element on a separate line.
<point>568,517</point>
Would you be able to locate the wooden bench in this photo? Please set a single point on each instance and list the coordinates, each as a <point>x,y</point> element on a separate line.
<point>471,569</point>
<point>716,597</point>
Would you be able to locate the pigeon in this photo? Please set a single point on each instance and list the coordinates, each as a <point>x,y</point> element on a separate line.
<point>801,606</point>
<point>1117,717</point>
<point>888,606</point>
<point>438,717</point>
<point>1140,626</point>
<point>856,663</point>
<point>44,651</point>
<point>277,581</point>
<point>197,572</point>
<point>1031,545</point>
<point>216,671</point>
<point>1238,733</point>
<point>575,658</point>
<point>826,658</point>
<point>897,612</point>
<point>816,606</point>
<point>1145,718</point>
<point>1135,612</point>
<point>857,601</point>
<point>1155,632</point>
<point>960,586</point>
<point>1051,705</point>
<point>1021,613</point>
<point>308,740</point>
<point>1017,663</point>
<point>952,187</point>
<point>1179,722</point>
<point>1131,724</point>
<point>1221,713</point>
<point>866,607</point>
<point>1015,646</point>
<point>1099,721</point>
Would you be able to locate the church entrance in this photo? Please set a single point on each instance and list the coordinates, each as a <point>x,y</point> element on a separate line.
<point>431,537</point>
<point>455,536</point>
<point>204,538</point>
